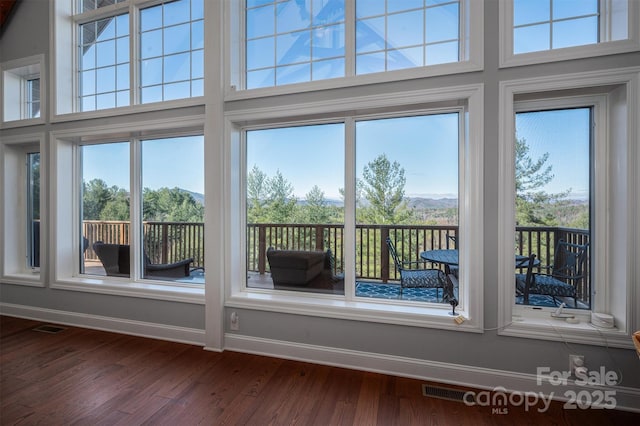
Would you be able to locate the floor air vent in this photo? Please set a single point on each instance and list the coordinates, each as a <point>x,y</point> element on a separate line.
<point>48,328</point>
<point>445,393</point>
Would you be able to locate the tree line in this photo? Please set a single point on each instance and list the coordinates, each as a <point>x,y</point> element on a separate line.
<point>380,199</point>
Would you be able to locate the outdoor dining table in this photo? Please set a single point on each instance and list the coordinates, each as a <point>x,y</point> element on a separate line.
<point>449,258</point>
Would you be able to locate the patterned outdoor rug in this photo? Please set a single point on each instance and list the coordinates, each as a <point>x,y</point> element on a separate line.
<point>392,291</point>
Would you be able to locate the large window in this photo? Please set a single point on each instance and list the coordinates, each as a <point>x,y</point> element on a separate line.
<point>553,204</point>
<point>302,41</point>
<point>550,30</point>
<point>153,231</point>
<point>330,197</point>
<point>295,208</point>
<point>23,226</point>
<point>553,24</point>
<point>130,52</point>
<point>567,195</point>
<point>407,191</point>
<point>33,209</point>
<point>22,90</point>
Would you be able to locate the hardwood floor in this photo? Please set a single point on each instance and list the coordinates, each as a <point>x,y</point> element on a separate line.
<point>87,377</point>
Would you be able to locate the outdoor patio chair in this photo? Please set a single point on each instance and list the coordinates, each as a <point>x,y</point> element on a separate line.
<point>417,277</point>
<point>116,262</point>
<point>567,270</point>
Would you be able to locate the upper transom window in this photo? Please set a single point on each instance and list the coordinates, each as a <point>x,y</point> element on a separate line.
<point>301,41</point>
<point>164,60</point>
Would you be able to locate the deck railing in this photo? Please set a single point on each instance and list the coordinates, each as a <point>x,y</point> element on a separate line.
<point>167,242</point>
<point>164,242</point>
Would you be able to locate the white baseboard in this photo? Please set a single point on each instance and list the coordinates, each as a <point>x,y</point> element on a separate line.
<point>626,398</point>
<point>135,328</point>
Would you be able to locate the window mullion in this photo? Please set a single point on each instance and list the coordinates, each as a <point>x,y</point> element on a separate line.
<point>134,55</point>
<point>349,209</point>
<point>135,210</point>
<point>350,38</point>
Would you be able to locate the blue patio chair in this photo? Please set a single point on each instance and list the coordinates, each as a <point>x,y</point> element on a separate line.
<point>417,277</point>
<point>567,270</point>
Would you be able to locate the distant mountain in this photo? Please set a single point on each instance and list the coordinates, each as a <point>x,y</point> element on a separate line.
<point>196,195</point>
<point>431,203</point>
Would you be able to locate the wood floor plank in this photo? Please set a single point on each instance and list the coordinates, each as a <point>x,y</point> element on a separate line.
<point>89,377</point>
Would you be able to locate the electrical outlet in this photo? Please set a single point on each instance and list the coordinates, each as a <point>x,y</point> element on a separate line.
<point>574,362</point>
<point>234,323</point>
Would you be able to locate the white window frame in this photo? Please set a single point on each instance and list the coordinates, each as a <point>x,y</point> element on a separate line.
<point>471,54</point>
<point>615,95</point>
<point>13,86</point>
<point>64,61</point>
<point>14,268</point>
<point>65,211</point>
<point>348,306</point>
<point>606,46</point>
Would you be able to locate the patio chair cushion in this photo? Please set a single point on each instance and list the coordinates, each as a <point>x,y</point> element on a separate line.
<point>546,284</point>
<point>429,278</point>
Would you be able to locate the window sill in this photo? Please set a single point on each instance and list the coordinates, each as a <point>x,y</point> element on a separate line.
<point>22,123</point>
<point>131,109</point>
<point>543,327</point>
<point>330,306</point>
<point>233,94</point>
<point>569,53</point>
<point>27,278</point>
<point>124,287</point>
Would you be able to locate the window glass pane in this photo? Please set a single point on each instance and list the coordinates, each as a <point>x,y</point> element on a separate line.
<point>328,69</point>
<point>33,98</point>
<point>553,199</point>
<point>292,16</point>
<point>328,42</point>
<point>575,32</point>
<point>105,209</point>
<point>33,209</point>
<point>442,23</point>
<point>87,5</point>
<point>173,209</point>
<point>405,29</point>
<point>177,12</point>
<point>170,33</point>
<point>177,68</point>
<point>400,5</point>
<point>370,35</point>
<point>407,190</point>
<point>177,39</point>
<point>441,53</point>
<point>570,8</point>
<point>295,205</point>
<point>529,12</point>
<point>531,39</point>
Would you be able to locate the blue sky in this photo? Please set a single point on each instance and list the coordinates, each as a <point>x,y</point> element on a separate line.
<point>565,136</point>
<point>172,162</point>
<point>426,147</point>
